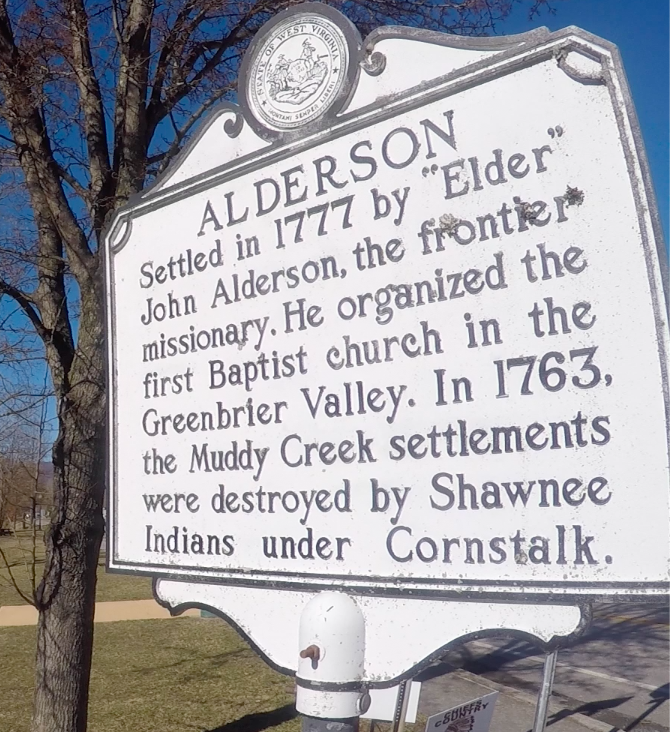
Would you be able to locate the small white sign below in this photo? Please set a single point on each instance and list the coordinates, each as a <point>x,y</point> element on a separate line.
<point>473,716</point>
<point>383,703</point>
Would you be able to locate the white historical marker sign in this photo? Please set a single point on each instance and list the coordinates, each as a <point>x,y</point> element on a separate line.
<point>396,324</point>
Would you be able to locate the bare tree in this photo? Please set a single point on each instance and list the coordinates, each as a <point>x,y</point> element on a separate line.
<point>24,481</point>
<point>25,435</point>
<point>26,491</point>
<point>95,99</point>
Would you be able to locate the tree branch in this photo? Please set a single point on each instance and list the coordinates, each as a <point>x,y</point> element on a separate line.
<point>180,85</point>
<point>91,103</point>
<point>118,32</point>
<point>130,138</point>
<point>13,581</point>
<point>26,303</point>
<point>76,186</point>
<point>23,116</point>
<point>172,46</point>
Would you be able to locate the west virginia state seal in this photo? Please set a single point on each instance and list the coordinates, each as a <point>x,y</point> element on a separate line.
<point>297,71</point>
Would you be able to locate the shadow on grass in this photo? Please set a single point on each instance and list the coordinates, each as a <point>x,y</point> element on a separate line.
<point>218,659</point>
<point>259,721</point>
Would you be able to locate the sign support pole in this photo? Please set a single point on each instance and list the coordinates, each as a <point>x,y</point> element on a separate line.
<point>401,706</point>
<point>545,692</point>
<point>330,693</point>
<point>314,724</point>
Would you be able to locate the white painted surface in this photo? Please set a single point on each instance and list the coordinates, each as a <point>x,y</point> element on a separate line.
<point>400,633</point>
<point>215,148</point>
<point>463,523</point>
<point>332,627</point>
<point>384,702</point>
<point>410,63</point>
<point>474,716</point>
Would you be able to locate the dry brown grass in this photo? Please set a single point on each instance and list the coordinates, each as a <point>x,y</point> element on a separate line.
<point>160,676</point>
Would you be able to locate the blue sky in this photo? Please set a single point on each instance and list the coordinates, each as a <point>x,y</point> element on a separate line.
<point>640,30</point>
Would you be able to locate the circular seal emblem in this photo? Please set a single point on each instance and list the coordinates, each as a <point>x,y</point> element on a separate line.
<point>297,71</point>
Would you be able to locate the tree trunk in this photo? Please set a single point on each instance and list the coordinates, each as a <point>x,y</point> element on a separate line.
<point>66,595</point>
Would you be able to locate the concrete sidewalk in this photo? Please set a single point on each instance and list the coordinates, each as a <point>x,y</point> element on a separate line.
<point>105,612</point>
<point>514,712</point>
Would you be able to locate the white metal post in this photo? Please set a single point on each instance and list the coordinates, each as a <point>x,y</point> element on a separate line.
<point>545,692</point>
<point>402,703</point>
<point>329,680</point>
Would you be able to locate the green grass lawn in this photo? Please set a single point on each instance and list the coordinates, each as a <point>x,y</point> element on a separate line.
<point>160,676</point>
<point>183,675</point>
<point>18,550</point>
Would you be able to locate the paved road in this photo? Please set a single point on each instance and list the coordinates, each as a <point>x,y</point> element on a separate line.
<point>617,672</point>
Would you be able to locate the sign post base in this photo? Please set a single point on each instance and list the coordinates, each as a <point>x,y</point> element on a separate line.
<point>312,724</point>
